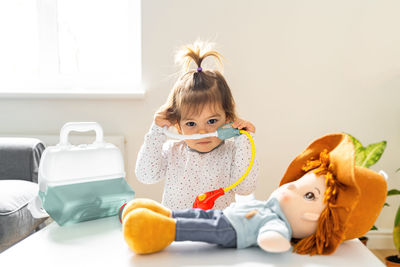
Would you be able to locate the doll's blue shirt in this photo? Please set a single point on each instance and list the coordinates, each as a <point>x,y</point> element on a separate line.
<point>269,217</point>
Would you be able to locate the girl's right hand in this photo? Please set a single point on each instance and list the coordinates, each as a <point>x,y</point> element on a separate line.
<point>160,119</point>
<point>246,125</point>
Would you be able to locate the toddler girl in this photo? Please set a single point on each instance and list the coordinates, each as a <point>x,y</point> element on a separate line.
<point>200,102</point>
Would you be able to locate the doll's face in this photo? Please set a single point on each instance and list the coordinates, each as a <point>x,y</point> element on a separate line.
<point>302,202</point>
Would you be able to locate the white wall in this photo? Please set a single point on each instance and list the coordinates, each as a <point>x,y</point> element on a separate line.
<point>297,69</point>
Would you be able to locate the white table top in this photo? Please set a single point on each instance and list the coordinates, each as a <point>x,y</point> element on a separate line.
<point>100,243</point>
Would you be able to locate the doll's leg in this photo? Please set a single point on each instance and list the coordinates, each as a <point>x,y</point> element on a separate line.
<point>146,231</point>
<point>195,213</point>
<point>216,230</point>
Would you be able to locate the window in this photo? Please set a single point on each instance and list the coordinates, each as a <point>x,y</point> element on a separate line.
<point>82,47</point>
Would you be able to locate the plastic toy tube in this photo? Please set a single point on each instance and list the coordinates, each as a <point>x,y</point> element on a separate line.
<point>188,136</point>
<point>250,164</point>
<point>206,201</point>
<point>224,132</point>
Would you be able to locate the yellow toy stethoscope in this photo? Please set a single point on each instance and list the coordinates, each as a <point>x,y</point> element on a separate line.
<point>206,201</point>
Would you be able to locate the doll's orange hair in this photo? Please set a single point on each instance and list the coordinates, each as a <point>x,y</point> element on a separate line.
<point>329,231</point>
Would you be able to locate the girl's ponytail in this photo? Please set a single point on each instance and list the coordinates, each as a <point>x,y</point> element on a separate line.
<point>196,53</point>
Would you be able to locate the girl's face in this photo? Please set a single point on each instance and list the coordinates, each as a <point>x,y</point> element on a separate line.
<point>208,120</point>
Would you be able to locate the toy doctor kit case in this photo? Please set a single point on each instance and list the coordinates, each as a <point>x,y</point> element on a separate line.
<point>84,182</point>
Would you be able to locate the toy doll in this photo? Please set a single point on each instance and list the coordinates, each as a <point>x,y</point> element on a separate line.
<point>323,199</point>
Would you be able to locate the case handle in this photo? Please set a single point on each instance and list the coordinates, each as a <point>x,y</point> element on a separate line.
<point>80,127</point>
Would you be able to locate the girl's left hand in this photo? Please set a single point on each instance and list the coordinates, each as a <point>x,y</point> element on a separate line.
<point>245,125</point>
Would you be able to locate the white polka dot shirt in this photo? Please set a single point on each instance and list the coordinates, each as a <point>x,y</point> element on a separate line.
<point>188,173</point>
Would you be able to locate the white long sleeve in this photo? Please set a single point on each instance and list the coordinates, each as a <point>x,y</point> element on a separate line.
<point>188,173</point>
<point>151,163</point>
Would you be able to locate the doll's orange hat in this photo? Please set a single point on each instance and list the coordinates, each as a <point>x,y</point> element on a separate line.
<point>360,195</point>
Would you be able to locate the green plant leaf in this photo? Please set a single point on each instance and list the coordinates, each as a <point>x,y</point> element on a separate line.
<point>358,149</point>
<point>360,158</point>
<point>373,153</point>
<point>357,144</point>
<point>367,156</point>
<point>397,218</point>
<point>393,192</point>
<point>396,230</point>
<point>373,228</point>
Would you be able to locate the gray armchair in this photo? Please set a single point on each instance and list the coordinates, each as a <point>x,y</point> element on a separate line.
<point>19,164</point>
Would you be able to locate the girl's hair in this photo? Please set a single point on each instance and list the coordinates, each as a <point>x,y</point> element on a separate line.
<point>198,87</point>
<point>329,228</point>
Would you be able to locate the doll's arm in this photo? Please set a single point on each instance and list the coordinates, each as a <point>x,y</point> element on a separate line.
<point>151,161</point>
<point>272,241</point>
<point>274,236</point>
